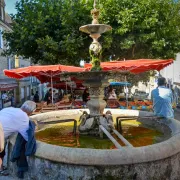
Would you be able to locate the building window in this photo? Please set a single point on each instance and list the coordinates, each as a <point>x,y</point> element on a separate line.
<point>2,13</point>
<point>9,63</point>
<point>1,38</point>
<point>28,91</point>
<point>22,92</point>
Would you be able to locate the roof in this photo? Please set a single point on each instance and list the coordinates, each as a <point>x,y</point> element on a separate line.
<point>120,84</point>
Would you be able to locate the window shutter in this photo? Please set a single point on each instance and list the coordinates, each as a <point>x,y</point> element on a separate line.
<point>1,38</point>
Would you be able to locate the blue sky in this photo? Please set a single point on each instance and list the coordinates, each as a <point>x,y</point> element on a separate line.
<point>10,6</point>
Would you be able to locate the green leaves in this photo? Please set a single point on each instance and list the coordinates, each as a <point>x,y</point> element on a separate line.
<point>48,30</point>
<point>144,28</point>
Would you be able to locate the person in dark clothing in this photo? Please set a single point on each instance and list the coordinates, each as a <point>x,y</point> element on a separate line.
<point>85,96</point>
<point>36,97</point>
<point>48,97</point>
<point>60,94</point>
<point>23,148</point>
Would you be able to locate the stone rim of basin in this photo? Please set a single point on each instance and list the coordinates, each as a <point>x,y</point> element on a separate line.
<point>126,155</point>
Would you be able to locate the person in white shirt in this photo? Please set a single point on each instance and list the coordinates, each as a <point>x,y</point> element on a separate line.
<point>15,120</point>
<point>4,96</point>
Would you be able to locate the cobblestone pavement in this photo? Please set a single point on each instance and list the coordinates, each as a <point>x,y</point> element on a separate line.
<point>176,116</point>
<point>7,178</point>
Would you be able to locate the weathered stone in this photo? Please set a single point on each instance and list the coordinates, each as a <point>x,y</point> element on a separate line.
<point>154,162</point>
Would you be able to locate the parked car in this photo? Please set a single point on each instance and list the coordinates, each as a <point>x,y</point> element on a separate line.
<point>140,95</point>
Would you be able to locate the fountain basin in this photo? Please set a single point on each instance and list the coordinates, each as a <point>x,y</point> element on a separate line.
<point>158,161</point>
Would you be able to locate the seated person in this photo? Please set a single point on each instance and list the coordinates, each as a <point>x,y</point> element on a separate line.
<point>112,95</point>
<point>85,95</point>
<point>65,99</point>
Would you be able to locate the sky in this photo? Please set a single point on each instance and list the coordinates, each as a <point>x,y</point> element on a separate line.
<point>10,6</point>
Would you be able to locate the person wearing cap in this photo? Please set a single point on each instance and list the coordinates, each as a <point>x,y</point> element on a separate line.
<point>15,120</point>
<point>162,98</point>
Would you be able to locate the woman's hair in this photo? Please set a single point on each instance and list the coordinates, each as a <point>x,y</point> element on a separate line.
<point>28,106</point>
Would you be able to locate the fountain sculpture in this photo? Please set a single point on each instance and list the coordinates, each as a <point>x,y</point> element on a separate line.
<point>96,80</point>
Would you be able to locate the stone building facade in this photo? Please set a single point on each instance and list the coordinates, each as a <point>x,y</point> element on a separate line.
<point>17,90</point>
<point>172,72</point>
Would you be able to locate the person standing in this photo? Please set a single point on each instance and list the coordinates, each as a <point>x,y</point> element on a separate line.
<point>48,97</point>
<point>162,98</point>
<point>4,96</point>
<point>85,95</point>
<point>36,97</point>
<point>32,97</point>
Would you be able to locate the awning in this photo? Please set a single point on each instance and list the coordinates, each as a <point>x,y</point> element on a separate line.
<point>120,84</point>
<point>134,66</point>
<point>51,72</point>
<point>43,73</point>
<point>177,83</point>
<point>5,87</point>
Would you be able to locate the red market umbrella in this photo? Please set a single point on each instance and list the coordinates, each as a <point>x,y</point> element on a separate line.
<point>134,66</point>
<point>43,73</point>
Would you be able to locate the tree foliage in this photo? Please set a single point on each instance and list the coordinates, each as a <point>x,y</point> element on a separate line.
<point>47,31</point>
<point>143,28</point>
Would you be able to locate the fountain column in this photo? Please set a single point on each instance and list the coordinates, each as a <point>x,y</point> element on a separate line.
<point>96,80</point>
<point>96,104</point>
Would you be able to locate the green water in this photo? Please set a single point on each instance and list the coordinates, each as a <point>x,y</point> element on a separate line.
<point>62,135</point>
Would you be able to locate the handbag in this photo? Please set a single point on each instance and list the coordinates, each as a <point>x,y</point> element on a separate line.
<point>1,138</point>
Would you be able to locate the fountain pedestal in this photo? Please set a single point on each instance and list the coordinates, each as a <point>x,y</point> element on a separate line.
<point>96,104</point>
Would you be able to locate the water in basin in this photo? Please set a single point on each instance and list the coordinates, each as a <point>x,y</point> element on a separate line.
<point>133,131</point>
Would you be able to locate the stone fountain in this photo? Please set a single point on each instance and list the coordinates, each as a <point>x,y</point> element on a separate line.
<point>96,80</point>
<point>157,161</point>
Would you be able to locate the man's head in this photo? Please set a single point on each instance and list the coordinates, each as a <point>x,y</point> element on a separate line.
<point>28,107</point>
<point>161,81</point>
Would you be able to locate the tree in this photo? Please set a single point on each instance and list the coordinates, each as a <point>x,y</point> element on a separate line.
<point>143,28</point>
<point>48,30</point>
